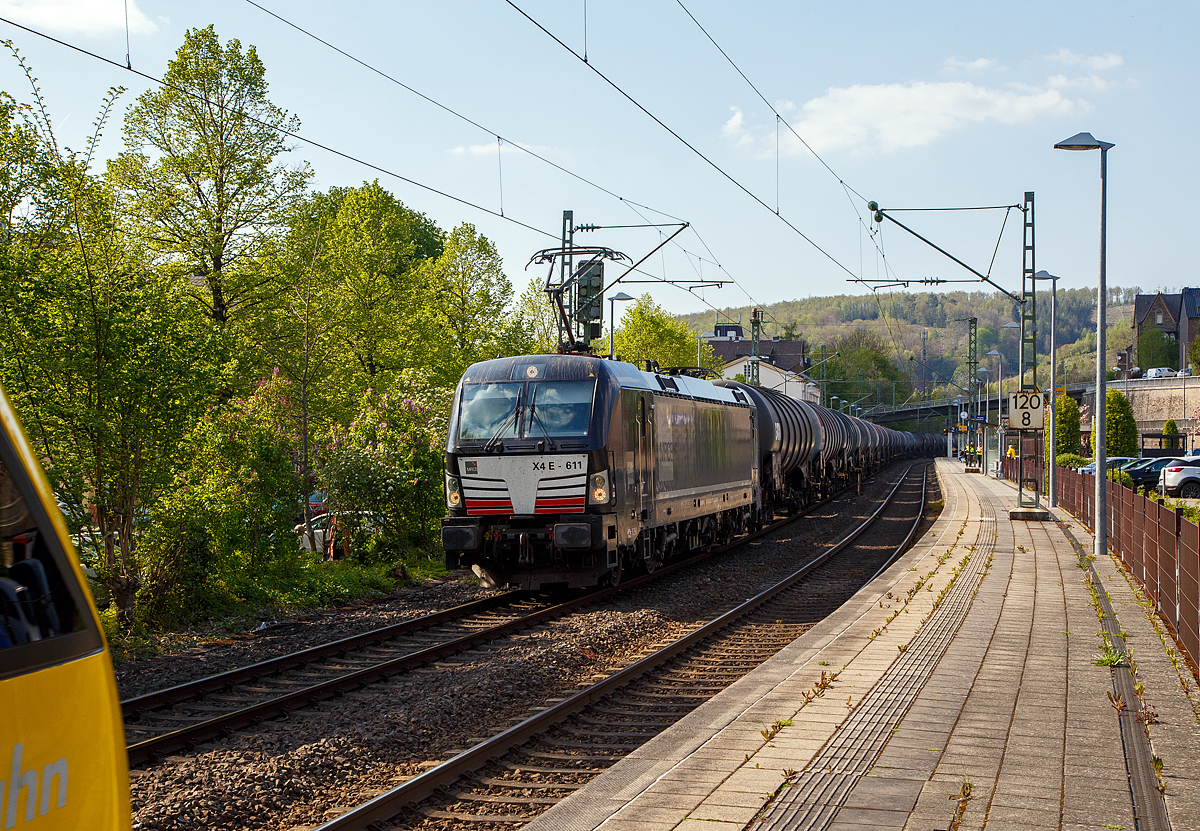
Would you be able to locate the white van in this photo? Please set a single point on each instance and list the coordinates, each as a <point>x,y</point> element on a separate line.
<point>1160,372</point>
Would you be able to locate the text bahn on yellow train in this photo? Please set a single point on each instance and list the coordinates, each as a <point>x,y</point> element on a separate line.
<point>62,746</point>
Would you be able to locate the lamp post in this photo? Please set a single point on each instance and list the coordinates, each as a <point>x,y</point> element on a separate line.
<point>612,319</point>
<point>1085,141</point>
<point>1052,490</point>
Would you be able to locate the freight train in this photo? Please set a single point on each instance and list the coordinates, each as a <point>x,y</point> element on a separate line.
<point>566,471</point>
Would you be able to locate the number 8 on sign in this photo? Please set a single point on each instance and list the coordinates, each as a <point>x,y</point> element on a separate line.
<point>1025,411</point>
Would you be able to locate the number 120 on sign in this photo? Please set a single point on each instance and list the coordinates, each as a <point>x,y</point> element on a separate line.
<point>1026,411</point>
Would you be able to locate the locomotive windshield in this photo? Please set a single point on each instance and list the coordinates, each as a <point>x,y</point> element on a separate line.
<point>525,410</point>
<point>559,409</point>
<point>487,411</point>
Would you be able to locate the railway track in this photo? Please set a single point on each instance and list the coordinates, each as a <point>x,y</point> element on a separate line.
<point>176,719</point>
<point>508,780</point>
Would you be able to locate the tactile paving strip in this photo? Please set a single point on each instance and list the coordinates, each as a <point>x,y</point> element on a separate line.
<point>811,799</point>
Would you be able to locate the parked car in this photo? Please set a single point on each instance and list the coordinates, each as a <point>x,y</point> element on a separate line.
<point>369,523</point>
<point>1181,478</point>
<point>1111,463</point>
<point>1160,372</point>
<point>1145,474</point>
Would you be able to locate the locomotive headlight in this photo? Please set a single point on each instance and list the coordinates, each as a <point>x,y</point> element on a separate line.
<point>598,490</point>
<point>453,492</point>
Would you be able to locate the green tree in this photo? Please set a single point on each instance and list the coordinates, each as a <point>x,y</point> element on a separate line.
<point>388,465</point>
<point>468,318</point>
<point>209,194</point>
<point>1066,424</point>
<point>106,366</point>
<point>861,361</point>
<point>648,333</point>
<point>1194,356</point>
<point>539,318</point>
<point>372,245</point>
<point>1120,428</point>
<point>1156,349</point>
<point>1170,429</point>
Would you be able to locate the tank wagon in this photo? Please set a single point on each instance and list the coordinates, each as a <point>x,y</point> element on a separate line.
<point>569,470</point>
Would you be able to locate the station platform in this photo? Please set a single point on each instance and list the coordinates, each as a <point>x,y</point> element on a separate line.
<point>966,687</point>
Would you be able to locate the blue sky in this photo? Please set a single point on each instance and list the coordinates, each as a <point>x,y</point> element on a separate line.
<point>914,105</point>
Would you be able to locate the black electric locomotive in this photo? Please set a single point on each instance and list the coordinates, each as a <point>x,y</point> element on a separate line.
<point>567,470</point>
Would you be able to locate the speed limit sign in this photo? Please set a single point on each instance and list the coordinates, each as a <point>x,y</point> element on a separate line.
<point>1026,411</point>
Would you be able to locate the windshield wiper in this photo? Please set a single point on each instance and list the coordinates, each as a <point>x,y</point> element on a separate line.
<point>514,417</point>
<point>533,416</point>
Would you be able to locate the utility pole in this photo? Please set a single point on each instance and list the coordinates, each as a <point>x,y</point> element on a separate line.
<point>756,317</point>
<point>566,267</point>
<point>1030,474</point>
<point>972,389</point>
<point>825,397</point>
<point>924,368</point>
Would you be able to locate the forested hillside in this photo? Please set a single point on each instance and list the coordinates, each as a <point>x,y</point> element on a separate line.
<point>896,320</point>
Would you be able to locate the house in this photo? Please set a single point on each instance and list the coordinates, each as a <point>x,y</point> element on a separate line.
<point>792,384</point>
<point>729,344</point>
<point>1176,315</point>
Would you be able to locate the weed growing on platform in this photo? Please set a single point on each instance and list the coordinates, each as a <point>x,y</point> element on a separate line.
<point>962,796</point>
<point>1158,769</point>
<point>1117,701</point>
<point>1108,656</point>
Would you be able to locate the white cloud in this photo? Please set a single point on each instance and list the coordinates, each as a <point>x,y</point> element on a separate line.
<point>1091,82</point>
<point>897,116</point>
<point>735,129</point>
<point>1095,63</point>
<point>94,18</point>
<point>976,65</point>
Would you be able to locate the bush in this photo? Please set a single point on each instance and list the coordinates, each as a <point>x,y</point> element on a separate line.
<point>1121,477</point>
<point>227,519</point>
<point>387,465</point>
<point>1070,460</point>
<point>1171,429</point>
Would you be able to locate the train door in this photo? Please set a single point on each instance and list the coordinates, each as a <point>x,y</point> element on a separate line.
<point>645,458</point>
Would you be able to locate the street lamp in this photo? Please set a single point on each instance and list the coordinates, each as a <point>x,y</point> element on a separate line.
<point>611,318</point>
<point>1051,463</point>
<point>1085,141</point>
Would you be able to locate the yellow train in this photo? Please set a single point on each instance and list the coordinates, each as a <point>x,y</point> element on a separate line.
<point>62,745</point>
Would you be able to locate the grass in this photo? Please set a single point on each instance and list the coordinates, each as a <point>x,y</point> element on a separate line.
<point>237,606</point>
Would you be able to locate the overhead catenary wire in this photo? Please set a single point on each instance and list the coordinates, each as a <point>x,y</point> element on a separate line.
<point>779,119</point>
<point>630,203</point>
<point>679,138</point>
<point>451,111</point>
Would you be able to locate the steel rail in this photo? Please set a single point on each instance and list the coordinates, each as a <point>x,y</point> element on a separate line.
<point>911,531</point>
<point>426,784</point>
<point>186,737</point>
<point>193,689</point>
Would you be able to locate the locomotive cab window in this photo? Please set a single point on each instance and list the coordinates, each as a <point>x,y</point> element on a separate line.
<point>560,409</point>
<point>43,613</point>
<point>488,411</point>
